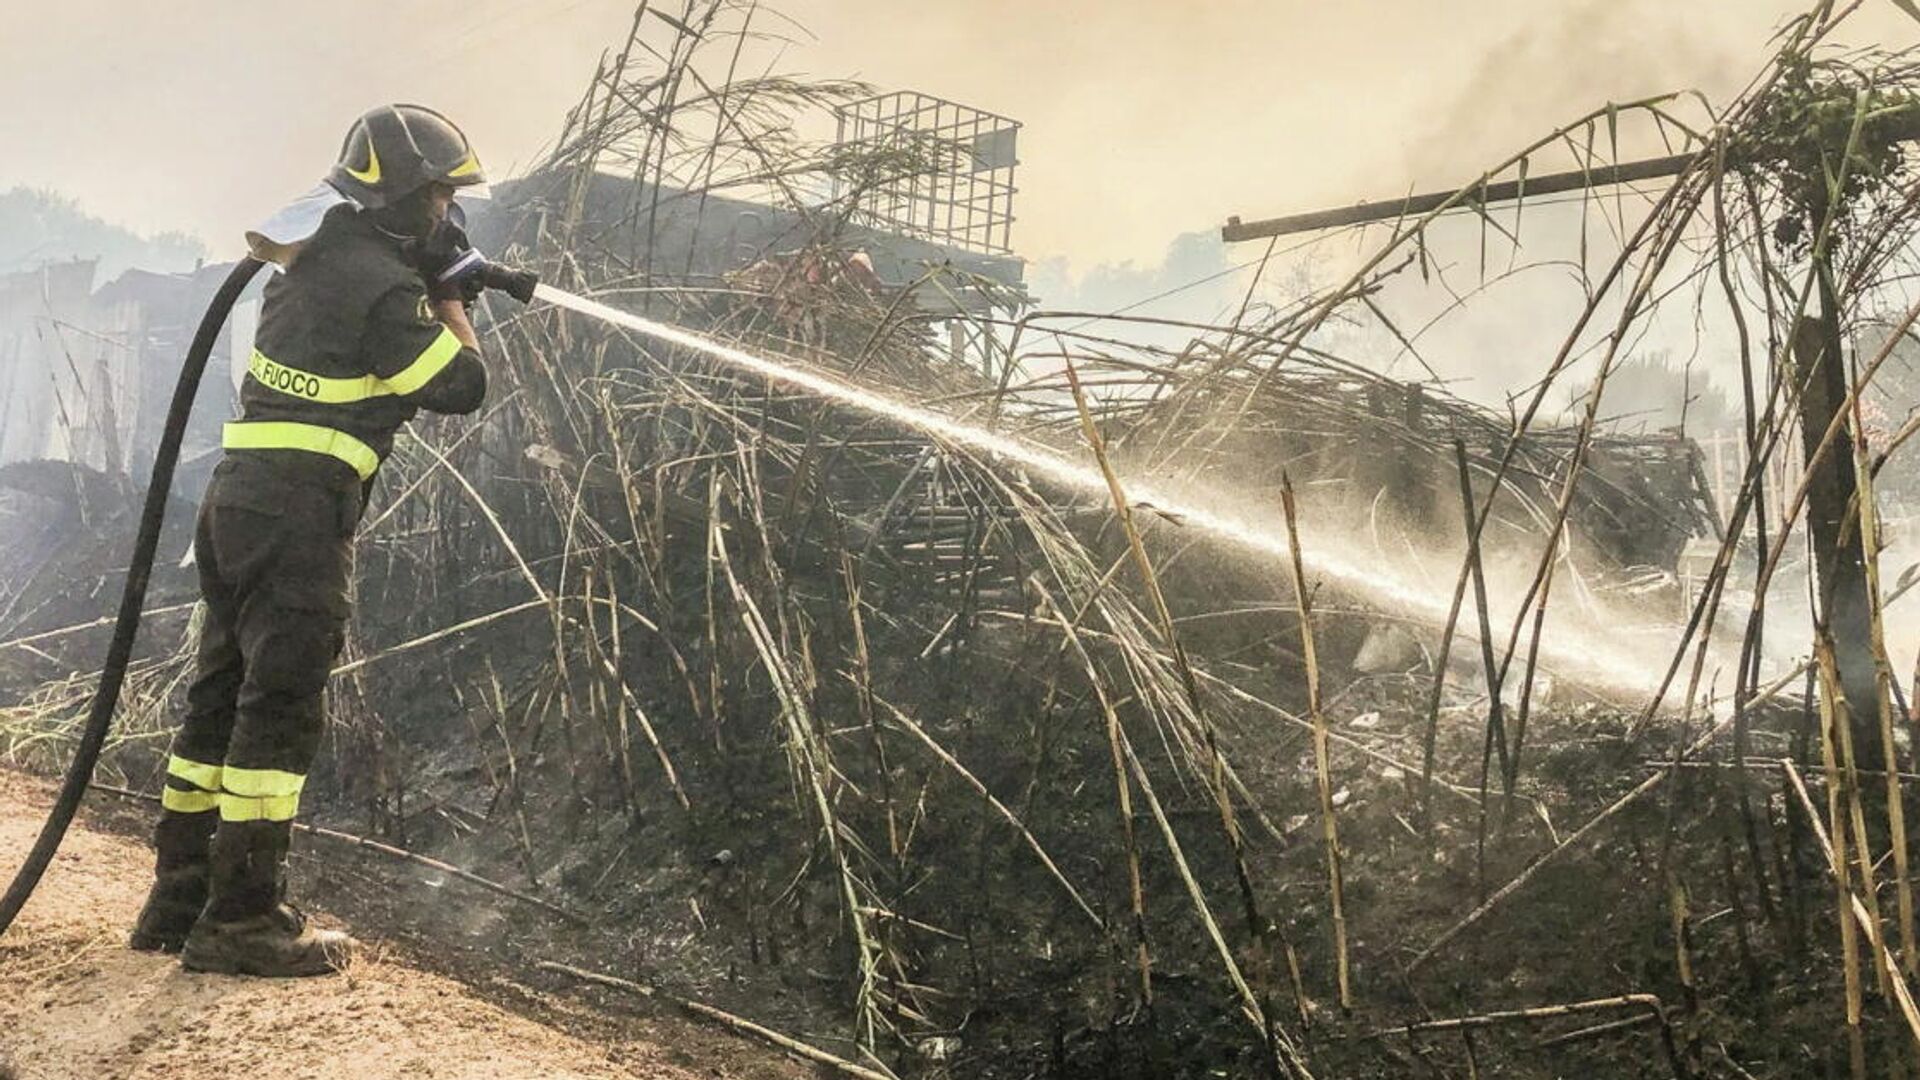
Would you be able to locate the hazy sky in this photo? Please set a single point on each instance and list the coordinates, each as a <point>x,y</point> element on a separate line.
<point>1143,119</point>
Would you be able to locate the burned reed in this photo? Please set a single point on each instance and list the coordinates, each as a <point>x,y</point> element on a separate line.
<point>845,727</point>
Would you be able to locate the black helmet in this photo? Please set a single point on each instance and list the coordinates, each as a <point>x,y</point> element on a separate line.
<point>395,150</point>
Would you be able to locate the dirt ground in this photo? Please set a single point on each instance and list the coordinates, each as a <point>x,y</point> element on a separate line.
<point>75,1003</point>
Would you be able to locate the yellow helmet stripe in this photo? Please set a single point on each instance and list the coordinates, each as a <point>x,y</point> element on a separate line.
<point>469,167</point>
<point>372,173</point>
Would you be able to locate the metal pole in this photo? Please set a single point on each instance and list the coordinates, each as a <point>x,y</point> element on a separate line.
<point>1415,205</point>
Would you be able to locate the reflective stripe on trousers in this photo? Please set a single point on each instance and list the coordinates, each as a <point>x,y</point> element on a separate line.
<point>260,794</point>
<point>201,790</point>
<point>239,794</point>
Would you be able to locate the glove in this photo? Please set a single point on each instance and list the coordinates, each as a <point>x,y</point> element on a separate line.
<point>453,270</point>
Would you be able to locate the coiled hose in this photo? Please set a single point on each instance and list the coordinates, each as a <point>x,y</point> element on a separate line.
<point>133,596</point>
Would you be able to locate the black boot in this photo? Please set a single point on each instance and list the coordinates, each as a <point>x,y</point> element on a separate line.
<point>179,881</point>
<point>248,928</point>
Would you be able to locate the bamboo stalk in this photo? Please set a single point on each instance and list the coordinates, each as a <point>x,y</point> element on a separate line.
<point>92,624</point>
<point>1648,1002</point>
<point>516,791</point>
<point>1053,869</point>
<point>1257,924</point>
<point>1843,791</point>
<point>863,678</point>
<point>1123,800</point>
<point>735,1023</point>
<point>1336,886</point>
<point>813,764</point>
<point>1496,729</point>
<point>1861,917</point>
<point>1867,514</point>
<point>1249,1002</point>
<point>441,634</point>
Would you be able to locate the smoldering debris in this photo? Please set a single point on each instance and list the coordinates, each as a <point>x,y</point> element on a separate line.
<point>1015,781</point>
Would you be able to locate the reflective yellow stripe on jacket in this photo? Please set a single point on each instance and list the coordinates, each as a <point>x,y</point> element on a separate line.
<point>287,435</point>
<point>307,386</point>
<point>260,794</point>
<point>432,361</point>
<point>319,439</point>
<point>304,384</point>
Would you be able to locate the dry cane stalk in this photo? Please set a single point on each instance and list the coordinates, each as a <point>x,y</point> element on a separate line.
<point>1239,694</point>
<point>999,807</point>
<point>516,793</point>
<point>1321,757</point>
<point>1223,800</point>
<point>625,749</point>
<point>1136,893</point>
<point>811,762</point>
<point>1650,1002</point>
<point>737,1023</point>
<point>1862,848</point>
<point>1867,514</point>
<point>863,681</point>
<point>1902,993</point>
<point>1580,835</point>
<point>1249,1003</point>
<point>1832,716</point>
<point>1496,732</point>
<point>1677,907</point>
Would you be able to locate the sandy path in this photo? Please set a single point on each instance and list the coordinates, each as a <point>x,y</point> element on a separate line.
<point>75,1003</point>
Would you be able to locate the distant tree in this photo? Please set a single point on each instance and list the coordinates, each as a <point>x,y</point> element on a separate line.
<point>38,227</point>
<point>1192,281</point>
<point>1652,393</point>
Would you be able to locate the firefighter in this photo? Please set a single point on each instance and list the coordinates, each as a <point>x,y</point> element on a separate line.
<point>366,325</point>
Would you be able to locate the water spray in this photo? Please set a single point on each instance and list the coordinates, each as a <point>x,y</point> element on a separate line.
<point>1593,662</point>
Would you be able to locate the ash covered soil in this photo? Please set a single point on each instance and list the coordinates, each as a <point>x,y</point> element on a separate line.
<point>76,1003</point>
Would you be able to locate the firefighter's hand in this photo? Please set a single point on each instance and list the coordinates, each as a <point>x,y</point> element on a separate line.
<point>453,315</point>
<point>447,261</point>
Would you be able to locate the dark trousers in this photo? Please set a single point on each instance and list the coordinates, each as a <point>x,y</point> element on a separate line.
<point>273,547</point>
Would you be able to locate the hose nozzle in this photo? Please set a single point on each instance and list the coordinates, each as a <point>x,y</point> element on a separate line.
<point>518,284</point>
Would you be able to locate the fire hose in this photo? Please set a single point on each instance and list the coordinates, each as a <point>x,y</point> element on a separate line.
<point>133,594</point>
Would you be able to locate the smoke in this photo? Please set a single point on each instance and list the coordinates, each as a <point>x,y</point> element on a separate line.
<point>1145,124</point>
<point>1544,74</point>
<point>1192,282</point>
<point>1143,121</point>
<point>39,227</point>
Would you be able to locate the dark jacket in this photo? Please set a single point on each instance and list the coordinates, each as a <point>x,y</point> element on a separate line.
<point>348,343</point>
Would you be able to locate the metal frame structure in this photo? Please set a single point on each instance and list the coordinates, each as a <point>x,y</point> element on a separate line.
<point>960,192</point>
